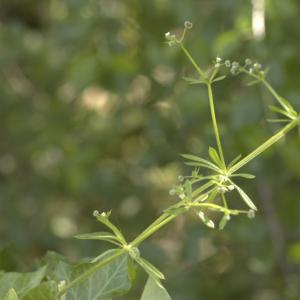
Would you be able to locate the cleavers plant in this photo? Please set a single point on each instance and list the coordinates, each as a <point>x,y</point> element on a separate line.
<point>112,273</point>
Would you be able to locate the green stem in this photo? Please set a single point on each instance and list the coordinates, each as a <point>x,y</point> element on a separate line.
<point>272,140</point>
<point>152,229</point>
<point>214,121</point>
<point>93,269</point>
<point>189,56</point>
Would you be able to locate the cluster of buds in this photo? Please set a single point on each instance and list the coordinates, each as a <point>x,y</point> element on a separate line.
<point>178,190</point>
<point>224,184</point>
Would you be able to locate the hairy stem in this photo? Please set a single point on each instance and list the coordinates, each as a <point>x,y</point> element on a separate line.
<point>268,143</point>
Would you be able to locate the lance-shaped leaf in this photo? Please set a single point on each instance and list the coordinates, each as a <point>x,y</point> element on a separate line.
<point>219,78</point>
<point>101,236</point>
<point>213,154</point>
<point>208,222</point>
<point>11,295</point>
<point>188,189</point>
<point>280,111</point>
<point>224,220</point>
<point>245,197</point>
<point>152,271</point>
<point>201,162</point>
<point>191,80</point>
<point>234,161</point>
<point>153,291</point>
<point>244,175</point>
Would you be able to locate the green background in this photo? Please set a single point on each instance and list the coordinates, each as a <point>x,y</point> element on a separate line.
<point>94,114</point>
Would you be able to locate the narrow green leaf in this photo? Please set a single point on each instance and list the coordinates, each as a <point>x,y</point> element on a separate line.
<point>152,271</point>
<point>200,160</point>
<point>224,221</point>
<point>244,175</point>
<point>196,164</point>
<point>253,82</point>
<point>234,161</point>
<point>11,295</point>
<point>219,78</point>
<point>208,222</point>
<point>175,210</point>
<point>245,197</point>
<point>278,120</point>
<point>191,80</point>
<point>188,189</point>
<point>215,157</point>
<point>102,236</point>
<point>153,291</point>
<point>278,110</point>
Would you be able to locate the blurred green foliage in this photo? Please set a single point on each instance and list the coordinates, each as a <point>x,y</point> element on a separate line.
<point>94,113</point>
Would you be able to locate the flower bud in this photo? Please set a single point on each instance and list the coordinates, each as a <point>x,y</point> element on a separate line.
<point>188,24</point>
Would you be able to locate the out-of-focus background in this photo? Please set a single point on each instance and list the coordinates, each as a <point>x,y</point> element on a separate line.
<point>94,113</point>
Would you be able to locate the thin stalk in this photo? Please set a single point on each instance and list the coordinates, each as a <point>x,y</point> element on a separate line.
<point>189,56</point>
<point>214,121</point>
<point>151,229</point>
<point>93,269</point>
<point>268,143</point>
<point>274,93</point>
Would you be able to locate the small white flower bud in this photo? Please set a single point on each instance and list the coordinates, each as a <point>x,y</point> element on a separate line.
<point>96,213</point>
<point>227,63</point>
<point>231,187</point>
<point>217,65</point>
<point>180,178</point>
<point>188,24</point>
<point>218,59</point>
<point>248,61</point>
<point>172,192</point>
<point>251,70</point>
<point>251,214</point>
<point>257,66</point>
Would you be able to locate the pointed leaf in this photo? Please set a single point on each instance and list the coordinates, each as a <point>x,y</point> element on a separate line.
<point>280,111</point>
<point>209,223</point>
<point>191,80</point>
<point>215,157</point>
<point>153,291</point>
<point>245,197</point>
<point>152,271</point>
<point>234,161</point>
<point>244,175</point>
<point>188,189</point>
<point>102,236</point>
<point>219,78</point>
<point>224,221</point>
<point>200,160</point>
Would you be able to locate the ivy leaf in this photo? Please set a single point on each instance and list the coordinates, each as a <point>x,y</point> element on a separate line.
<point>103,284</point>
<point>152,271</point>
<point>153,291</point>
<point>44,291</point>
<point>20,282</point>
<point>11,295</point>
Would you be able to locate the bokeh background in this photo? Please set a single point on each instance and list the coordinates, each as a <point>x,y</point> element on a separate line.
<point>93,115</point>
